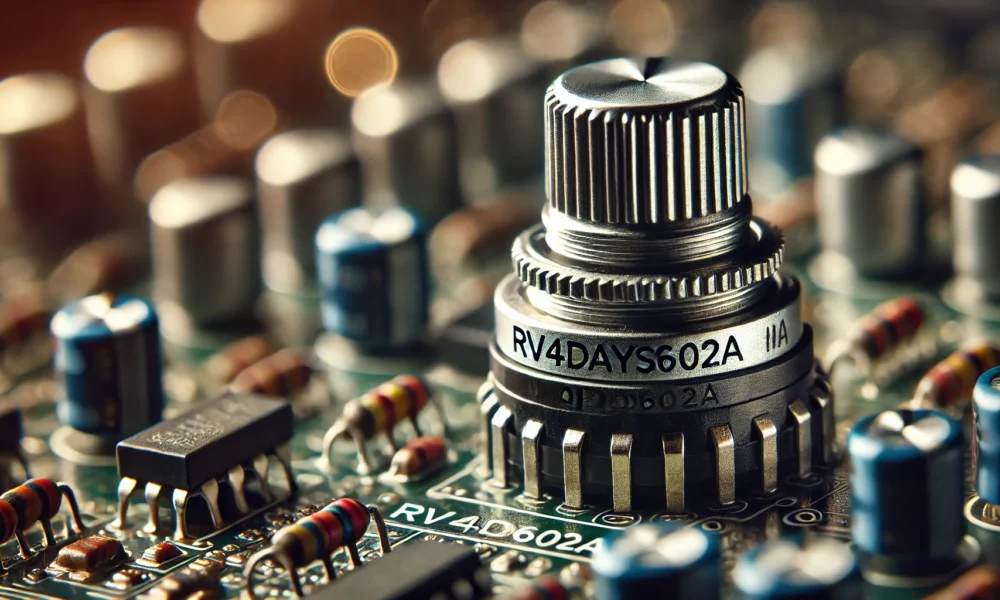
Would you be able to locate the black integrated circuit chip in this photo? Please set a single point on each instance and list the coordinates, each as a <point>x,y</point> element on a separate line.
<point>414,571</point>
<point>188,450</point>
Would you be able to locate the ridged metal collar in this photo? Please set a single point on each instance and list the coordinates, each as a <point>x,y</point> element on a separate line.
<point>644,141</point>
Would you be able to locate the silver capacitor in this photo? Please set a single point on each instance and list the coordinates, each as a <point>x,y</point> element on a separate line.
<point>870,201</point>
<point>206,257</point>
<point>303,177</point>
<point>794,97</point>
<point>495,89</point>
<point>407,139</point>
<point>975,218</point>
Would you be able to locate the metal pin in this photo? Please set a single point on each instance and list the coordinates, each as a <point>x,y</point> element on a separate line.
<point>530,436</point>
<point>572,447</point>
<point>260,466</point>
<point>284,456</point>
<point>487,408</point>
<point>50,536</point>
<point>153,491</point>
<point>823,400</point>
<point>210,492</point>
<point>237,481</point>
<point>768,433</point>
<point>673,470</point>
<point>621,472</point>
<point>126,487</point>
<point>500,420</point>
<point>22,544</point>
<point>180,500</point>
<point>725,463</point>
<point>803,436</point>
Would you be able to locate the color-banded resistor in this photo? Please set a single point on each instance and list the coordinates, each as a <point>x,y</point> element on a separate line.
<point>36,501</point>
<point>342,523</point>
<point>227,363</point>
<point>419,457</point>
<point>888,327</point>
<point>952,380</point>
<point>284,373</point>
<point>545,587</point>
<point>379,411</point>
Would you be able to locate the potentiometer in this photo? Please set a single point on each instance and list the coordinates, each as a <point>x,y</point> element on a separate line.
<point>648,352</point>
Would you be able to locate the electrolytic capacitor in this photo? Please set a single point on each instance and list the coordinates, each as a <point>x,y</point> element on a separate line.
<point>206,260</point>
<point>407,139</point>
<point>986,408</point>
<point>373,277</point>
<point>794,96</point>
<point>656,560</point>
<point>975,219</point>
<point>107,359</point>
<point>907,485</point>
<point>822,569</point>
<point>140,95</point>
<point>870,201</point>
<point>41,125</point>
<point>494,88</point>
<point>303,176</point>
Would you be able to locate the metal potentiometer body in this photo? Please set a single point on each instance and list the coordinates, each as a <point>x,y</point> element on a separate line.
<point>647,350</point>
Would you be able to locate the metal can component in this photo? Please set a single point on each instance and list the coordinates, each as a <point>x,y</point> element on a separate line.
<point>641,306</point>
<point>975,208</point>
<point>870,201</point>
<point>651,560</point>
<point>139,95</point>
<point>373,278</point>
<point>107,358</point>
<point>822,569</point>
<point>407,139</point>
<point>42,124</point>
<point>303,177</point>
<point>907,485</point>
<point>793,98</point>
<point>986,450</point>
<point>494,88</point>
<point>206,261</point>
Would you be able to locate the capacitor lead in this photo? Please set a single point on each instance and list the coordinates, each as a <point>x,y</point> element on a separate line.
<point>656,560</point>
<point>907,491</point>
<point>379,411</point>
<point>373,278</point>
<point>303,176</point>
<point>342,523</point>
<point>107,358</point>
<point>888,327</point>
<point>951,381</point>
<point>821,569</point>
<point>206,257</point>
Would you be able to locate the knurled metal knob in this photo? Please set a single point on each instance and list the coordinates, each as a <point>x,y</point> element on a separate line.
<point>644,141</point>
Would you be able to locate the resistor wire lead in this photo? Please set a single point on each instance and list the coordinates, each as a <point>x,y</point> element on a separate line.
<point>889,326</point>
<point>35,501</point>
<point>950,381</point>
<point>342,523</point>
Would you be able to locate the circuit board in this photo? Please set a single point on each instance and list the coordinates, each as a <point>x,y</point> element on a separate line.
<point>274,438</point>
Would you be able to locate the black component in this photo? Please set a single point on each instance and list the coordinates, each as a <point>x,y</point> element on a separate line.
<point>411,572</point>
<point>10,431</point>
<point>465,342</point>
<point>188,450</point>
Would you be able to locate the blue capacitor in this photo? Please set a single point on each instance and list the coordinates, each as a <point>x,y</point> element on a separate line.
<point>656,560</point>
<point>986,455</point>
<point>794,96</point>
<point>373,277</point>
<point>907,484</point>
<point>107,358</point>
<point>821,569</point>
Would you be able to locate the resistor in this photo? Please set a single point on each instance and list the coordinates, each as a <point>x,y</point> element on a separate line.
<point>888,327</point>
<point>36,501</point>
<point>419,457</point>
<point>951,381</point>
<point>226,364</point>
<point>342,523</point>
<point>109,263</point>
<point>22,316</point>
<point>380,410</point>
<point>545,587</point>
<point>283,373</point>
<point>977,583</point>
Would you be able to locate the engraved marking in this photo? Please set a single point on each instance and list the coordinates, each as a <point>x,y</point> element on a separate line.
<point>621,472</point>
<point>530,436</point>
<point>572,467</point>
<point>803,436</point>
<point>768,434</point>
<point>673,470</point>
<point>725,463</point>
